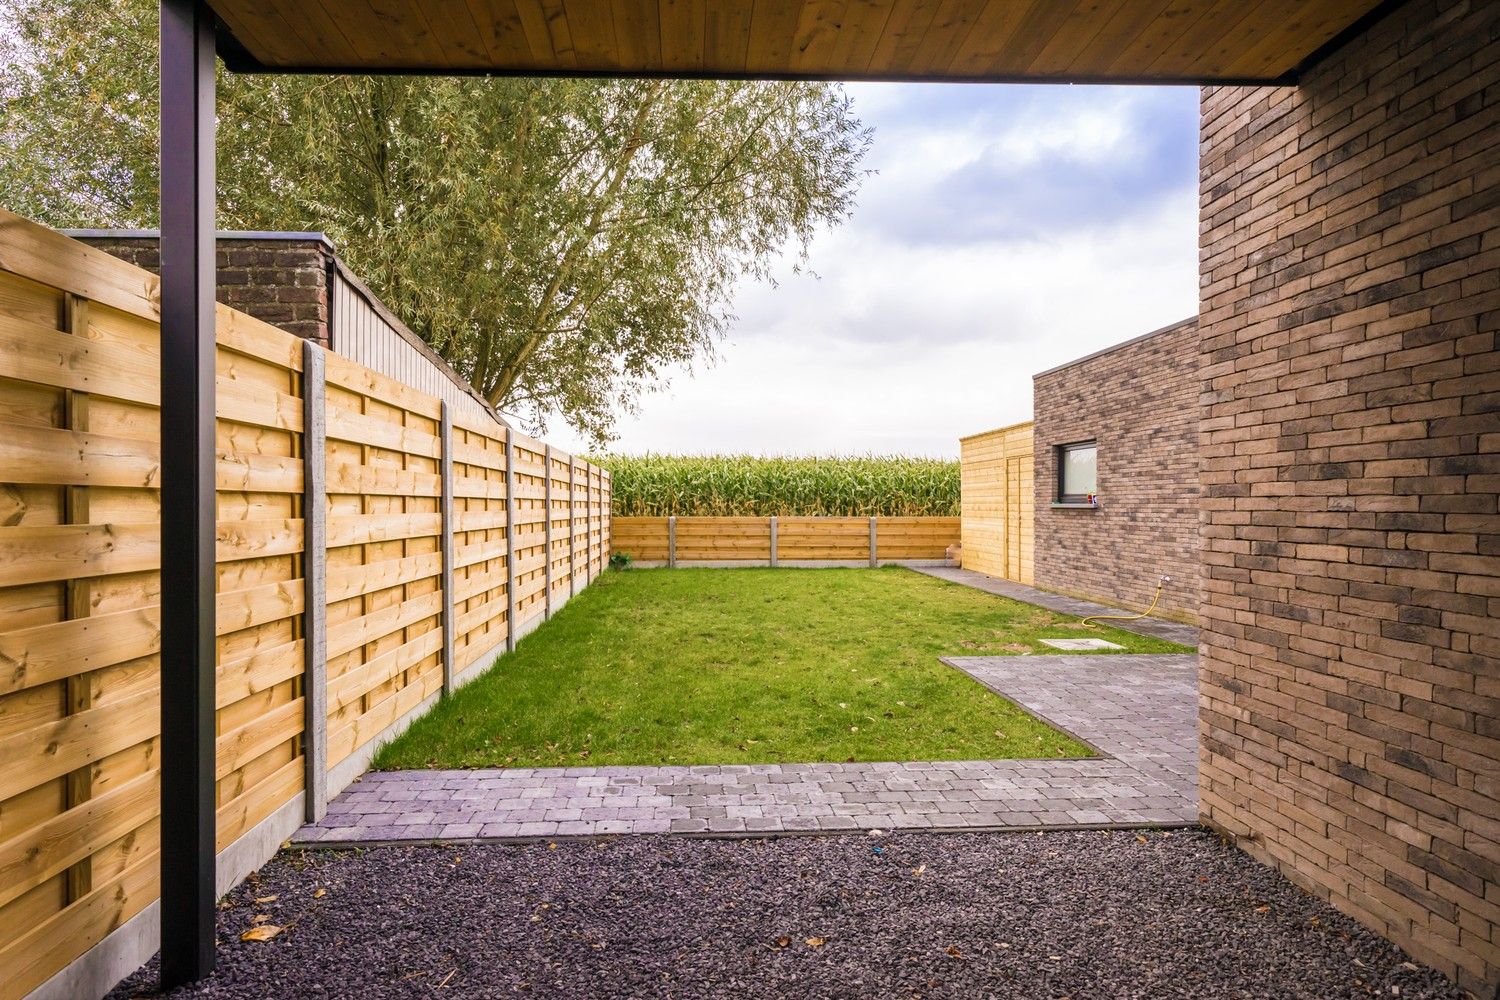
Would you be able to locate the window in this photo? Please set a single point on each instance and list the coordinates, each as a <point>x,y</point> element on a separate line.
<point>1078,472</point>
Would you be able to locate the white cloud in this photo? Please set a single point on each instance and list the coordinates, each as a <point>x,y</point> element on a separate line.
<point>921,328</point>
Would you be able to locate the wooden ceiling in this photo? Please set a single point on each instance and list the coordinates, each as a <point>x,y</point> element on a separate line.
<point>1188,41</point>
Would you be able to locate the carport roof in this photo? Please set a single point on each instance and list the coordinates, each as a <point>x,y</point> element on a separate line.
<point>1183,41</point>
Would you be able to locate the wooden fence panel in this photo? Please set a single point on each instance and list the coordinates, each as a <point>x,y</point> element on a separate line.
<point>79,589</point>
<point>723,538</point>
<point>480,582</point>
<point>914,537</point>
<point>642,538</point>
<point>820,538</point>
<point>998,504</point>
<point>384,638</point>
<point>529,478</point>
<point>79,478</point>
<point>816,539</point>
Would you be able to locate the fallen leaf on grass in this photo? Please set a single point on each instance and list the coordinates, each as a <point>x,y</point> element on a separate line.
<point>815,942</point>
<point>261,932</point>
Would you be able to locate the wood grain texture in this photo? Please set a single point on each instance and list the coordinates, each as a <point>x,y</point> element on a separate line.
<point>748,539</point>
<point>1190,41</point>
<point>80,628</point>
<point>998,504</point>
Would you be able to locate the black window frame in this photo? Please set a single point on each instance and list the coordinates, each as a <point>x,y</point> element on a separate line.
<point>1060,454</point>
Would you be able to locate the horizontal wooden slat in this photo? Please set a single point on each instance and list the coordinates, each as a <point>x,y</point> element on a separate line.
<point>38,853</point>
<point>360,428</point>
<point>37,952</point>
<point>35,353</point>
<point>349,635</point>
<point>51,258</point>
<point>37,554</point>
<point>359,681</point>
<point>344,582</point>
<point>53,652</point>
<point>361,529</point>
<point>234,749</point>
<point>33,756</point>
<point>358,379</point>
<point>77,458</point>
<point>259,538</point>
<point>260,671</point>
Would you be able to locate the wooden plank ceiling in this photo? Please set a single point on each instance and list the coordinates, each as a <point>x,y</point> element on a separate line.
<point>1189,41</point>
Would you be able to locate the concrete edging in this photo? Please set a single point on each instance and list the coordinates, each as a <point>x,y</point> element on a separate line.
<point>131,945</point>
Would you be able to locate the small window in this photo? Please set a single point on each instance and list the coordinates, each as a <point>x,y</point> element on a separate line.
<point>1078,472</point>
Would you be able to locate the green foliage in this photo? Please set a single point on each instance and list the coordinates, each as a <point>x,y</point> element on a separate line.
<point>741,666</point>
<point>620,560</point>
<point>561,242</point>
<point>751,486</point>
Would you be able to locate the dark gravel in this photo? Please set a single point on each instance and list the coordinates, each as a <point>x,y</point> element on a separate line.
<point>1081,915</point>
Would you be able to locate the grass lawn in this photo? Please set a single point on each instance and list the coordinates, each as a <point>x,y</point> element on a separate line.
<point>733,666</point>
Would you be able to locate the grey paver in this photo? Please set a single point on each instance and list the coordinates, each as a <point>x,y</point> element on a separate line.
<point>1157,628</point>
<point>1140,712</point>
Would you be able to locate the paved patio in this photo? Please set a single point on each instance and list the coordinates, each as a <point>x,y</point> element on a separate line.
<point>1158,628</point>
<point>1139,711</point>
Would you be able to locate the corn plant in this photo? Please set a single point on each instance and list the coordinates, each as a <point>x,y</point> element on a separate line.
<point>751,486</point>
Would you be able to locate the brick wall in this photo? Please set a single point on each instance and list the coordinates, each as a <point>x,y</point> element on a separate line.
<point>1139,401</point>
<point>1350,272</point>
<point>282,281</point>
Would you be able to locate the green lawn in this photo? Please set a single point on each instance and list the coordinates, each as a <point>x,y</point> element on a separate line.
<point>721,666</point>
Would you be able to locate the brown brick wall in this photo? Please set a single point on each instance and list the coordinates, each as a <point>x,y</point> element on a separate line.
<point>1139,401</point>
<point>1350,275</point>
<point>281,281</point>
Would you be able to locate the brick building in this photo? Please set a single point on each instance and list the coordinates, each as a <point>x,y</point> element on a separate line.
<point>1350,275</point>
<point>297,281</point>
<point>1135,405</point>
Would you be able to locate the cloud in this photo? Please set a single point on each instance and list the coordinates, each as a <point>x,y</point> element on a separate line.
<point>1030,164</point>
<point>1009,229</point>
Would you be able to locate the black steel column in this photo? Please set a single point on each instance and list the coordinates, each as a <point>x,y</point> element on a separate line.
<point>187,493</point>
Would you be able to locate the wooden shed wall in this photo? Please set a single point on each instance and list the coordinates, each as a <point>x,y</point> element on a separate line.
<point>998,504</point>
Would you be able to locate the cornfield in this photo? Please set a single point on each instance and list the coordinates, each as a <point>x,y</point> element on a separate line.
<point>749,486</point>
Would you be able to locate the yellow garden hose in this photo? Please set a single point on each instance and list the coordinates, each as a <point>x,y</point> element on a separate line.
<point>1129,618</point>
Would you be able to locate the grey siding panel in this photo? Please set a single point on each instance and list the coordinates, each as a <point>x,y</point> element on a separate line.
<point>360,333</point>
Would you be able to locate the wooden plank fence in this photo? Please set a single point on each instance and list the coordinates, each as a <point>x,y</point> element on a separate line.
<point>373,550</point>
<point>784,541</point>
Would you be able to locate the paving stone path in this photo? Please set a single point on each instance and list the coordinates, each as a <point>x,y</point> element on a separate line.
<point>1157,628</point>
<point>1139,711</point>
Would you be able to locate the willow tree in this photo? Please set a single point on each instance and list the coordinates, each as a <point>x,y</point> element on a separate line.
<point>560,242</point>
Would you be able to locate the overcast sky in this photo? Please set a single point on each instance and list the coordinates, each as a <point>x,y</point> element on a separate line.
<point>1007,229</point>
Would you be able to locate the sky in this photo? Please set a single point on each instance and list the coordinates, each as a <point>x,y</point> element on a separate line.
<point>1005,230</point>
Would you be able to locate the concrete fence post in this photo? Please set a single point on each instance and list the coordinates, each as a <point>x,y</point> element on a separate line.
<point>547,531</point>
<point>315,584</point>
<point>449,623</point>
<point>773,539</point>
<point>873,560</point>
<point>572,525</point>
<point>672,542</point>
<point>510,541</point>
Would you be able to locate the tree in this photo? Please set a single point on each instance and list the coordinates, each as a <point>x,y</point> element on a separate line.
<point>560,242</point>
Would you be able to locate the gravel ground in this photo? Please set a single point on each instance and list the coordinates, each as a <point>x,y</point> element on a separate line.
<point>1078,914</point>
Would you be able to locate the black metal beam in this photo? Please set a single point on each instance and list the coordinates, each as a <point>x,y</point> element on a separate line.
<point>188,503</point>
